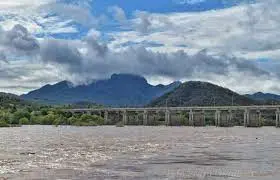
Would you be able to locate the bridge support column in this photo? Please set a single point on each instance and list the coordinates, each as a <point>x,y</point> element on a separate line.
<point>145,118</point>
<point>137,118</point>
<point>229,118</point>
<point>191,118</point>
<point>218,118</point>
<point>277,123</point>
<point>106,120</point>
<point>167,117</point>
<point>252,118</point>
<point>203,118</point>
<point>124,117</point>
<point>259,118</point>
<point>230,115</point>
<point>246,118</point>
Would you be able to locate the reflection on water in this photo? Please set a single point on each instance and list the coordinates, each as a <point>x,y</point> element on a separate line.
<point>46,152</point>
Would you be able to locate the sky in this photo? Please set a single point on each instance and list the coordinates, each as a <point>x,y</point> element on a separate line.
<point>232,43</point>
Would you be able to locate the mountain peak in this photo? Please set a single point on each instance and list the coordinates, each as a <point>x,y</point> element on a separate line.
<point>264,97</point>
<point>64,84</point>
<point>198,93</point>
<point>129,78</point>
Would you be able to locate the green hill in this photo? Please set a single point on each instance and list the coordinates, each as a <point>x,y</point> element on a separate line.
<point>196,93</point>
<point>10,100</point>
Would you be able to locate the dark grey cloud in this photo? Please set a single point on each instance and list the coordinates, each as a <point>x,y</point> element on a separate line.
<point>18,40</point>
<point>97,60</point>
<point>87,59</point>
<point>61,52</point>
<point>95,46</point>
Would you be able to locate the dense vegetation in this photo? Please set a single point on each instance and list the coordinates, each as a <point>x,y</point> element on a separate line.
<point>14,112</point>
<point>195,93</point>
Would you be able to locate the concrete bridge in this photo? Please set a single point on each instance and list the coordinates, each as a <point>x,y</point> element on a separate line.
<point>222,116</point>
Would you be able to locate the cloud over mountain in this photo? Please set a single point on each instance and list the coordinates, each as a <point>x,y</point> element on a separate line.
<point>71,40</point>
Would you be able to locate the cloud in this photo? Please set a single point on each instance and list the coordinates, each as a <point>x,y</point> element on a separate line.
<point>76,13</point>
<point>246,30</point>
<point>49,17</point>
<point>118,14</point>
<point>155,45</point>
<point>94,46</point>
<point>3,58</point>
<point>81,61</point>
<point>22,3</point>
<point>19,41</point>
<point>143,22</point>
<point>89,59</point>
<point>22,76</point>
<point>61,52</point>
<point>188,1</point>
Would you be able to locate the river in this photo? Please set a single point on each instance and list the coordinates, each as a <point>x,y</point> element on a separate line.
<point>47,152</point>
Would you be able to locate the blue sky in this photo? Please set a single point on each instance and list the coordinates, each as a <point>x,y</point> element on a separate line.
<point>220,41</point>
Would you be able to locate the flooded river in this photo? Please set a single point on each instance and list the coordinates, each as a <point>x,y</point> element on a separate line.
<point>47,152</point>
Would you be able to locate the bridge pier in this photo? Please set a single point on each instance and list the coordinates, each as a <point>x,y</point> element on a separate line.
<point>218,118</point>
<point>229,118</point>
<point>145,118</point>
<point>226,118</point>
<point>124,117</point>
<point>259,118</point>
<point>196,115</point>
<point>191,118</point>
<point>167,117</point>
<point>252,119</point>
<point>137,118</point>
<point>203,118</point>
<point>106,120</point>
<point>277,123</point>
<point>246,117</point>
<point>199,118</point>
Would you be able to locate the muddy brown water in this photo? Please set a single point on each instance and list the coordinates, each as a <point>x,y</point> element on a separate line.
<point>47,152</point>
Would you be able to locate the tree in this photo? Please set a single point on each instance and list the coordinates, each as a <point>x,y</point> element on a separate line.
<point>19,114</point>
<point>24,121</point>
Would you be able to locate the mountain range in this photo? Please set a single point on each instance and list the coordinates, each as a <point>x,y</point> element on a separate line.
<point>265,98</point>
<point>122,90</point>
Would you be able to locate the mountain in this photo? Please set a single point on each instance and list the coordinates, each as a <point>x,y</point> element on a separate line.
<point>265,98</point>
<point>119,90</point>
<point>195,93</point>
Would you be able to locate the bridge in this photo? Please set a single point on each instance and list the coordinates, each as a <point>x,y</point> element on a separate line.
<point>248,116</point>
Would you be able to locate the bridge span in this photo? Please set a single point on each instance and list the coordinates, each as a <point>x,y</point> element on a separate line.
<point>248,116</point>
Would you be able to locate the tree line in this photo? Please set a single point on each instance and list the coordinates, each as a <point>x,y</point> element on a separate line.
<point>46,116</point>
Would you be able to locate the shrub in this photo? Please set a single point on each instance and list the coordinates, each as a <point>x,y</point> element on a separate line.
<point>3,124</point>
<point>91,119</point>
<point>24,121</point>
<point>48,119</point>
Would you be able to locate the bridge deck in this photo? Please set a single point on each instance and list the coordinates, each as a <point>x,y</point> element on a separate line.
<point>194,108</point>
